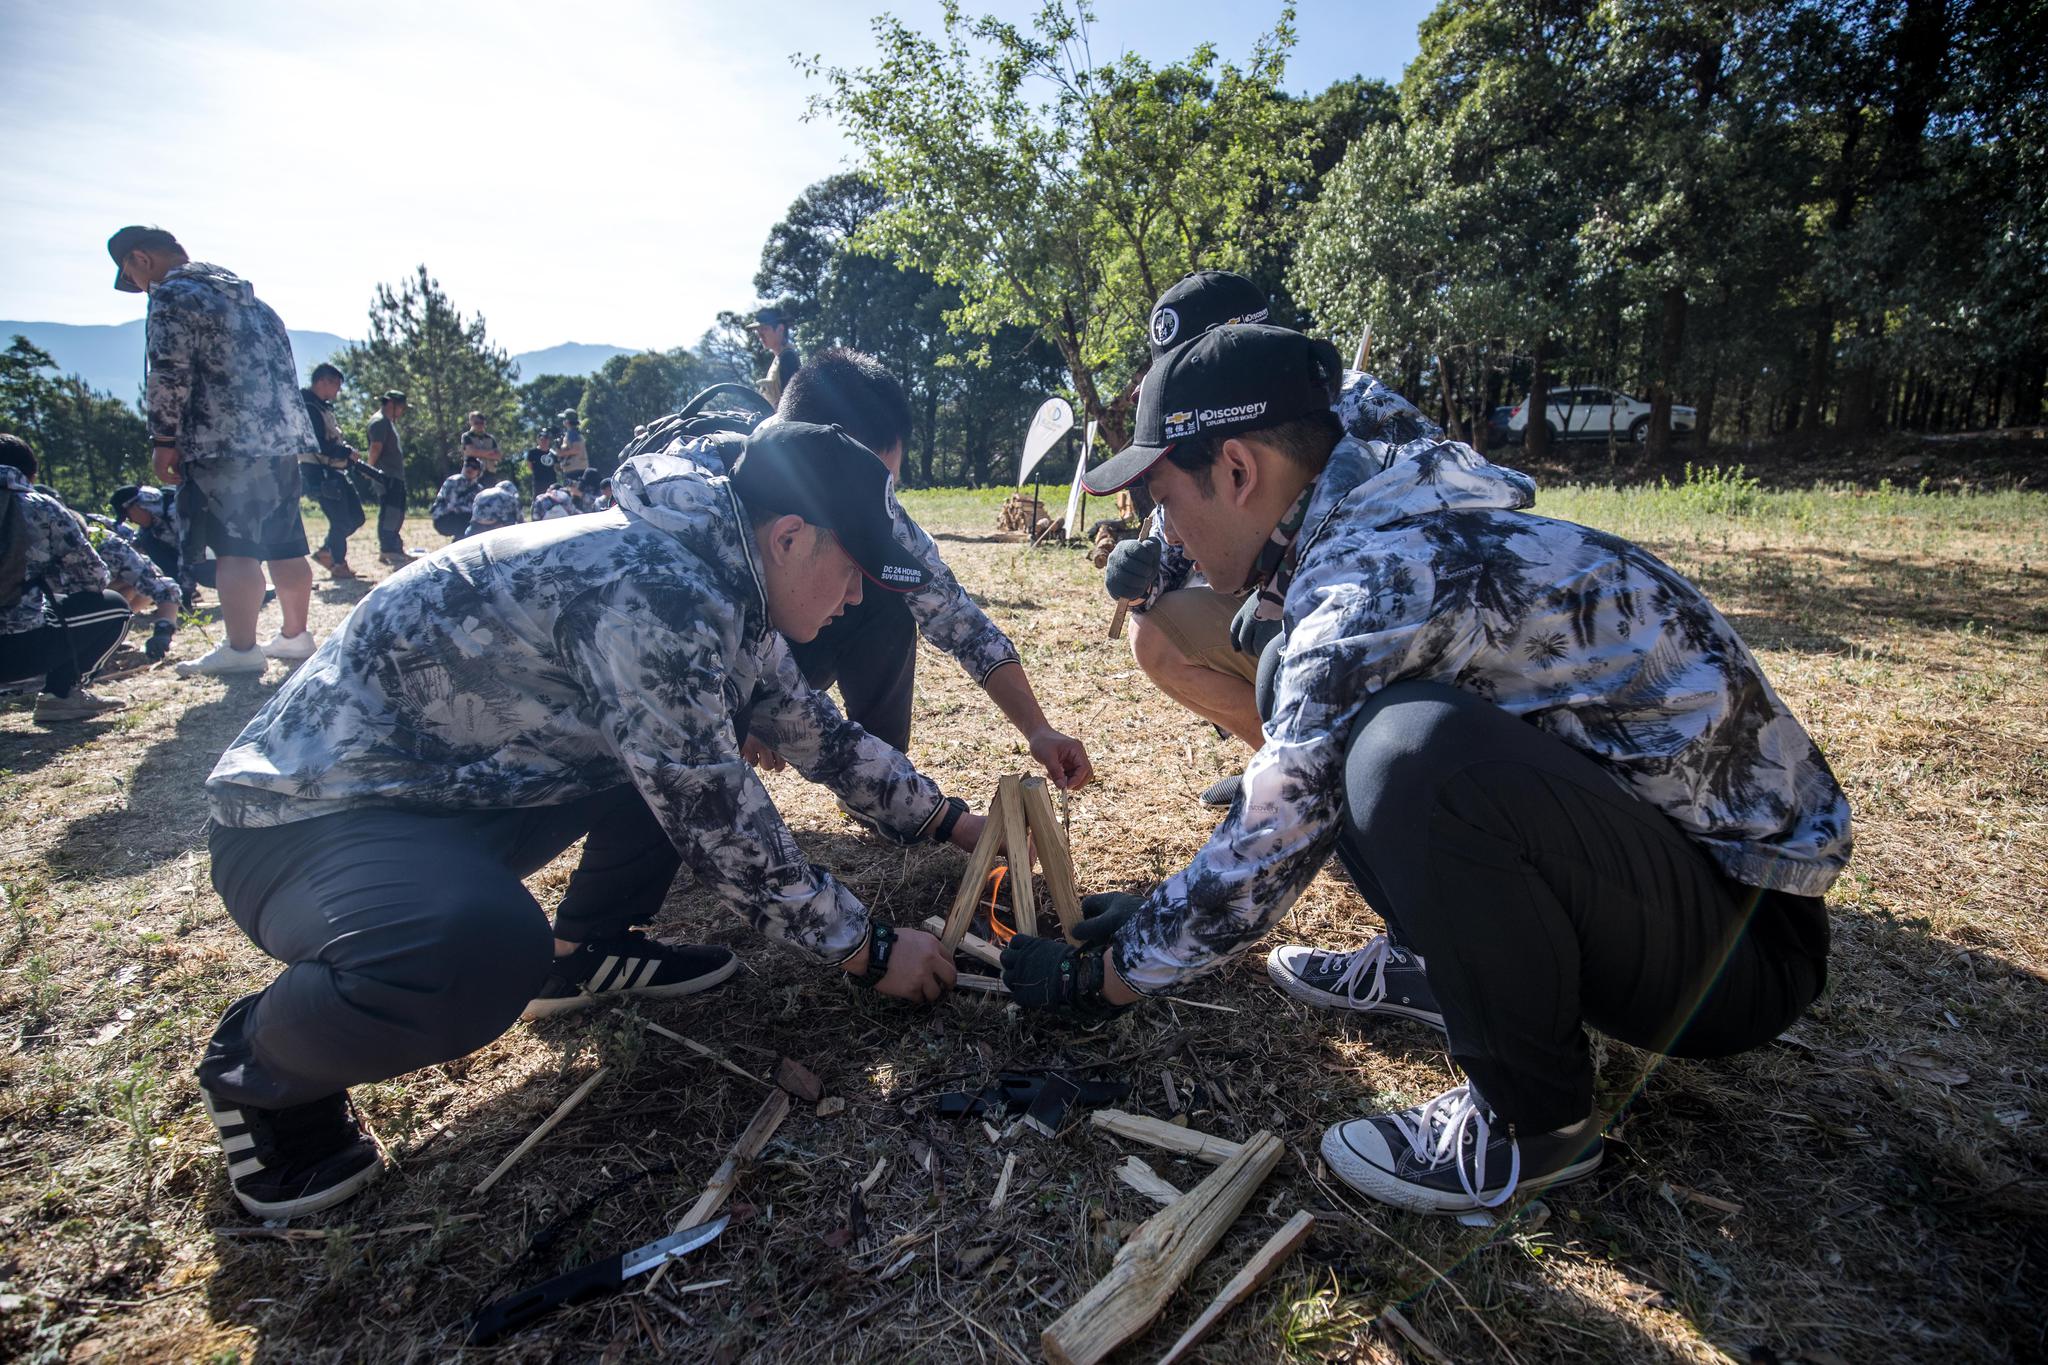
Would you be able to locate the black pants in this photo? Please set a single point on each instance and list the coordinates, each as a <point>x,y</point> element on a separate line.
<point>391,514</point>
<point>336,497</point>
<point>1545,897</point>
<point>70,649</point>
<point>871,652</point>
<point>408,937</point>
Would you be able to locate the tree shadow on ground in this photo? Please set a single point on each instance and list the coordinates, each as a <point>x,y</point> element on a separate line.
<point>1840,588</point>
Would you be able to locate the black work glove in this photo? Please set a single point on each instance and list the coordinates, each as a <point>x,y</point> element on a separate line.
<point>1048,974</point>
<point>159,646</point>
<point>1102,915</point>
<point>1132,569</point>
<point>1248,633</point>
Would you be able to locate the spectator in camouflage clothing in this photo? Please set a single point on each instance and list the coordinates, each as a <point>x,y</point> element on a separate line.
<point>482,710</point>
<point>1541,755</point>
<point>478,441</point>
<point>495,507</point>
<point>59,621</point>
<point>139,582</point>
<point>326,474</point>
<point>453,504</point>
<point>158,534</point>
<point>228,426</point>
<point>1180,622</point>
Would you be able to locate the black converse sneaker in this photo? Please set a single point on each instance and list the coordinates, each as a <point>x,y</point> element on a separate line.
<point>286,1162</point>
<point>626,965</point>
<point>1379,978</point>
<point>1453,1155</point>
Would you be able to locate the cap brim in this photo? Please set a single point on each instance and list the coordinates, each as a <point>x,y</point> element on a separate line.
<point>121,282</point>
<point>1122,470</point>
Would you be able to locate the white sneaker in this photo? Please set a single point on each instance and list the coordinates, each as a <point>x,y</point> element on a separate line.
<point>292,649</point>
<point>80,705</point>
<point>223,659</point>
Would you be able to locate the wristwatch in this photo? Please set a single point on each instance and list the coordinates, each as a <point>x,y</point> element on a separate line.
<point>881,943</point>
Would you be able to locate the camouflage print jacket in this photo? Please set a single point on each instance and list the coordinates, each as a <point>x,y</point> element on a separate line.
<point>557,502</point>
<point>59,558</point>
<point>458,496</point>
<point>222,382</point>
<point>545,662</point>
<point>129,570</point>
<point>1418,563</point>
<point>493,507</point>
<point>1369,410</point>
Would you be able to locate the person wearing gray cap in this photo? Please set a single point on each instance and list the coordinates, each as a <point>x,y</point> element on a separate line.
<point>783,360</point>
<point>228,426</point>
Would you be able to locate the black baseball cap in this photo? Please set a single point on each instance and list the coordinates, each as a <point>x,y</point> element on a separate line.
<point>391,396</point>
<point>831,480</point>
<point>1235,378</point>
<point>1199,301</point>
<point>771,316</point>
<point>136,238</point>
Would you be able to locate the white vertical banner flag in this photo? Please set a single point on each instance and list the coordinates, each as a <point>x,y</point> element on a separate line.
<point>1055,418</point>
<point>1075,496</point>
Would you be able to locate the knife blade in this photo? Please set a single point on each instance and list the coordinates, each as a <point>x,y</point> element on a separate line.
<point>516,1310</point>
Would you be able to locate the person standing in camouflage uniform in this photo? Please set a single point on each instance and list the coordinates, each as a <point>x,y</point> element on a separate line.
<point>228,426</point>
<point>507,695</point>
<point>59,621</point>
<point>326,474</point>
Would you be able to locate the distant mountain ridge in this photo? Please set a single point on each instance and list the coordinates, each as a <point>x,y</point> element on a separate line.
<point>109,356</point>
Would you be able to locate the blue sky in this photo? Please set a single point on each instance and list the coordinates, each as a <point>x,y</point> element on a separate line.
<point>603,171</point>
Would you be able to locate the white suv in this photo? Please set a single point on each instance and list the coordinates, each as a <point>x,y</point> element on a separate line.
<point>1586,413</point>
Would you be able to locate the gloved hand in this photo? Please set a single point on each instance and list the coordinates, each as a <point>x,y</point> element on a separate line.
<point>159,646</point>
<point>1132,569</point>
<point>1048,974</point>
<point>1102,915</point>
<point>1249,634</point>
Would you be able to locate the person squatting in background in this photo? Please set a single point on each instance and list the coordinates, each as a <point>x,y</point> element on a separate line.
<point>494,507</point>
<point>457,499</point>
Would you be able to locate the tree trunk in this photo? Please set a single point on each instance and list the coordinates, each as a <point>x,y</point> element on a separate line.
<point>1536,433</point>
<point>2026,403</point>
<point>931,431</point>
<point>1703,429</point>
<point>1450,397</point>
<point>1670,346</point>
<point>1813,414</point>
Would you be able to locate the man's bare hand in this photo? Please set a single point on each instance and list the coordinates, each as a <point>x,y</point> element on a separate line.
<point>967,831</point>
<point>165,462</point>
<point>1064,758</point>
<point>920,968</point>
<point>761,756</point>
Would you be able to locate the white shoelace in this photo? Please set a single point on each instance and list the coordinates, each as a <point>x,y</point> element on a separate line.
<point>1372,959</point>
<point>1437,1135</point>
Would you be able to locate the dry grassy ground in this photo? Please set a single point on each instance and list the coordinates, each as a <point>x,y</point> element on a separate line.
<point>1870,1188</point>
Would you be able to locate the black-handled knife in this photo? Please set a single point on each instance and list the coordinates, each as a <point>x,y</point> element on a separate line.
<point>515,1311</point>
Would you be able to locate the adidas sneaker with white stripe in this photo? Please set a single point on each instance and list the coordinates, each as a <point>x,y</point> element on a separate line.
<point>286,1162</point>
<point>630,964</point>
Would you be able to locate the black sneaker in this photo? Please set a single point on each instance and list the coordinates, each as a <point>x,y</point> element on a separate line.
<point>1380,978</point>
<point>628,965</point>
<point>286,1162</point>
<point>1452,1155</point>
<point>1221,794</point>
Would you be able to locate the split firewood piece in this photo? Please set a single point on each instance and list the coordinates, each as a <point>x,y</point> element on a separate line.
<point>1146,1181</point>
<point>978,864</point>
<point>799,1080</point>
<point>1244,1283</point>
<point>1116,620</point>
<point>1160,1255</point>
<point>547,1125</point>
<point>1003,1183</point>
<point>1017,842</point>
<point>708,1054</point>
<point>974,945</point>
<point>759,1129</point>
<point>1169,1137</point>
<point>1053,854</point>
<point>976,984</point>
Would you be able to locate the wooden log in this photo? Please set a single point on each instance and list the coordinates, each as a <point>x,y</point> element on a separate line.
<point>978,864</point>
<point>1146,1181</point>
<point>759,1129</point>
<point>974,945</point>
<point>1053,854</point>
<point>1160,1255</point>
<point>1168,1137</point>
<point>547,1125</point>
<point>1116,621</point>
<point>979,985</point>
<point>1017,843</point>
<point>1244,1283</point>
<point>1003,1183</point>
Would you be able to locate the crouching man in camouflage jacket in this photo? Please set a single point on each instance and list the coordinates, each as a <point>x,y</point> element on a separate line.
<point>489,705</point>
<point>1542,756</point>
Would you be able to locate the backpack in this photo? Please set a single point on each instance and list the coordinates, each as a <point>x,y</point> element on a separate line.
<point>13,551</point>
<point>722,409</point>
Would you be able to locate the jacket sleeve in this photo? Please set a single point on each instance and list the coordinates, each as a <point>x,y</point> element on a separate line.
<point>445,499</point>
<point>946,616</point>
<point>664,711</point>
<point>72,564</point>
<point>325,433</point>
<point>128,571</point>
<point>1370,626</point>
<point>801,724</point>
<point>171,337</point>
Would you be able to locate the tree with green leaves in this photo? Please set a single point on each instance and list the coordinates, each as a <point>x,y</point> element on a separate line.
<point>630,390</point>
<point>88,443</point>
<point>544,397</point>
<point>444,362</point>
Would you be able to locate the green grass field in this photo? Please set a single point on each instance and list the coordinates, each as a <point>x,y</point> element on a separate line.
<point>1873,1187</point>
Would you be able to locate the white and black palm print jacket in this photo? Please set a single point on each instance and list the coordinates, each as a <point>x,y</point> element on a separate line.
<point>1418,562</point>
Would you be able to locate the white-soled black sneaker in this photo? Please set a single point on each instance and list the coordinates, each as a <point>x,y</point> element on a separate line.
<point>286,1162</point>
<point>630,964</point>
<point>1380,978</point>
<point>1453,1155</point>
